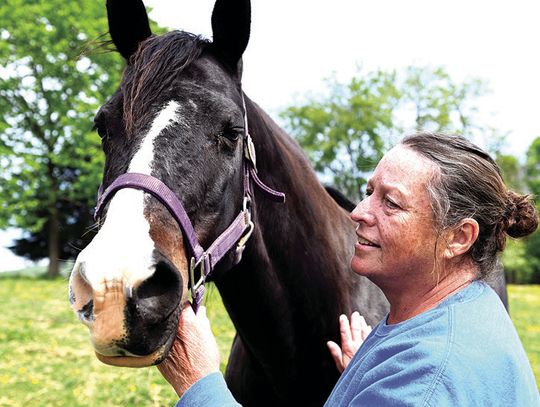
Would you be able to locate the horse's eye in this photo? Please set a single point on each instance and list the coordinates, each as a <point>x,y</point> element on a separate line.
<point>99,125</point>
<point>101,131</point>
<point>231,134</point>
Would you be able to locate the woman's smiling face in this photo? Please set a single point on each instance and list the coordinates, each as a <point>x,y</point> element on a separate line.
<point>396,231</point>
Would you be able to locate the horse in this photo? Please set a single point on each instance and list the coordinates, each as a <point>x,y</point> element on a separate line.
<point>217,162</point>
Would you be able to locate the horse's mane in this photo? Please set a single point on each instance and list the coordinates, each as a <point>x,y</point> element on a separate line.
<point>153,69</point>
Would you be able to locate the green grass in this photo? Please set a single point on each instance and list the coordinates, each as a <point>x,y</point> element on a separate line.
<point>46,358</point>
<point>525,313</point>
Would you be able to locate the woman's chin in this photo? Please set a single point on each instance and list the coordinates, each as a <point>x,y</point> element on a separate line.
<point>359,266</point>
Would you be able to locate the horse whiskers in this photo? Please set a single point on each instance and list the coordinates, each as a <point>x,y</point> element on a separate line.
<point>75,247</point>
<point>93,228</point>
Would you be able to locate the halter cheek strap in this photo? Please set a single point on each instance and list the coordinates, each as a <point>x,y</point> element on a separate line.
<point>202,262</point>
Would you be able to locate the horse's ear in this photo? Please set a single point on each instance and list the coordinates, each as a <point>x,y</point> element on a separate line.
<point>231,21</point>
<point>128,25</point>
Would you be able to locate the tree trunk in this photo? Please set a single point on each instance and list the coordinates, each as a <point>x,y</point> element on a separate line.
<point>54,243</point>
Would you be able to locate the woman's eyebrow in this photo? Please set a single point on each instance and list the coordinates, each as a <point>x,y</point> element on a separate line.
<point>389,186</point>
<point>397,189</point>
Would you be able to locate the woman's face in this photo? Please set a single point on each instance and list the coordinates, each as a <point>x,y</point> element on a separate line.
<point>396,232</point>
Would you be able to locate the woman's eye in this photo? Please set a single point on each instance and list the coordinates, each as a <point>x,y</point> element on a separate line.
<point>391,204</point>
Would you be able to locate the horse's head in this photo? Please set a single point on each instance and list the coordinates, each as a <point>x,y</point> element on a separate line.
<point>177,116</point>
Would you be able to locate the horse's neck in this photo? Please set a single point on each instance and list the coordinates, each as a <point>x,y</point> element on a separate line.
<point>295,269</point>
<point>285,296</point>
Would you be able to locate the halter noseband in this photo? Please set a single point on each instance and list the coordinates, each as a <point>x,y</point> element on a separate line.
<point>202,262</point>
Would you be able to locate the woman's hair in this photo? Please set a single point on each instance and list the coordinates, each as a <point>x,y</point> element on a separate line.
<point>469,185</point>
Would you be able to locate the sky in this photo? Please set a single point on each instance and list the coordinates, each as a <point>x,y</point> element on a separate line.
<point>295,44</point>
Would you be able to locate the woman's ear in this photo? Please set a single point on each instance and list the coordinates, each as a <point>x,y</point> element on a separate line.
<point>461,238</point>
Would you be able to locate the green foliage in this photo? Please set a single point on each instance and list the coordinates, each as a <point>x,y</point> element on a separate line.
<point>518,266</point>
<point>522,258</point>
<point>512,172</point>
<point>532,253</point>
<point>346,132</point>
<point>51,160</point>
<point>532,167</point>
<point>46,358</point>
<point>439,103</point>
<point>343,133</point>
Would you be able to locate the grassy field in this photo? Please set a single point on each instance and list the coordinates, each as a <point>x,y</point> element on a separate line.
<point>46,359</point>
<point>525,313</point>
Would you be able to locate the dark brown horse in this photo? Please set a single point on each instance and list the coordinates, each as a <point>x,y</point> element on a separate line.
<point>178,116</point>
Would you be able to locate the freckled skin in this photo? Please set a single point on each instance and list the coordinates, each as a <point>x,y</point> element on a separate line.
<point>400,223</point>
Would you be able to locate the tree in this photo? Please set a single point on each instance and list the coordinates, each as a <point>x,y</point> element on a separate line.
<point>50,159</point>
<point>438,102</point>
<point>346,132</point>
<point>343,133</point>
<point>518,265</point>
<point>532,168</point>
<point>512,172</point>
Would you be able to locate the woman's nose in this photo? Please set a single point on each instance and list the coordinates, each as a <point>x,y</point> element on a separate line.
<point>363,212</point>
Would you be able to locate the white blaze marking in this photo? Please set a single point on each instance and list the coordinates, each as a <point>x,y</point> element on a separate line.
<point>122,250</point>
<point>142,160</point>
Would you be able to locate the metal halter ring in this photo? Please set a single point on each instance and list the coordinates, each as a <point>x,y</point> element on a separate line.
<point>197,265</point>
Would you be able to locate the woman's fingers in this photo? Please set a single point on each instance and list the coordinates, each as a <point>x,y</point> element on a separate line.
<point>194,353</point>
<point>365,329</point>
<point>335,351</point>
<point>356,326</point>
<point>345,330</point>
<point>352,333</point>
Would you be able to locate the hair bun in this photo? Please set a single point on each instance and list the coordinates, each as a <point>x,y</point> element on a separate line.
<point>521,217</point>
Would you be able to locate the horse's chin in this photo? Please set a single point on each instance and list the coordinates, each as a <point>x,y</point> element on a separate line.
<point>155,358</point>
<point>133,361</point>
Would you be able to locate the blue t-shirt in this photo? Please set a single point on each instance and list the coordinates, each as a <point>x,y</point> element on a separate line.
<point>464,352</point>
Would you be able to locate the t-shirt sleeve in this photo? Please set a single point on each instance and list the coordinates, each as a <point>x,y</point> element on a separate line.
<point>210,391</point>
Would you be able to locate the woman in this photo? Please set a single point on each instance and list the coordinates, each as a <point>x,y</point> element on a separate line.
<point>429,231</point>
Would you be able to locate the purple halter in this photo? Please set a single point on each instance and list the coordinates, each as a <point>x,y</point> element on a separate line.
<point>202,261</point>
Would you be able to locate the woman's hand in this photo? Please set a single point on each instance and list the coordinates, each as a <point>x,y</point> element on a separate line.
<point>353,335</point>
<point>194,353</point>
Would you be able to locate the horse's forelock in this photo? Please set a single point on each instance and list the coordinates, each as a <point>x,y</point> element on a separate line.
<point>153,69</point>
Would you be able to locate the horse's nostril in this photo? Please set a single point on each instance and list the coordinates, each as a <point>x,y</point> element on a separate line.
<point>80,291</point>
<point>157,297</point>
<point>161,282</point>
<point>87,312</point>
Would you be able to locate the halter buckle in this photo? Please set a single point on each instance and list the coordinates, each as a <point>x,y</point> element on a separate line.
<point>249,151</point>
<point>241,245</point>
<point>197,266</point>
<point>242,242</point>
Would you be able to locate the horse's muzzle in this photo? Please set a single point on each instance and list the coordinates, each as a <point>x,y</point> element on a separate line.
<point>129,325</point>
